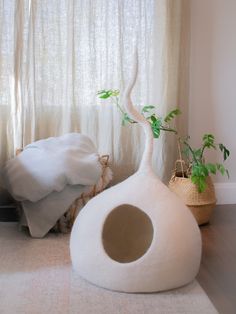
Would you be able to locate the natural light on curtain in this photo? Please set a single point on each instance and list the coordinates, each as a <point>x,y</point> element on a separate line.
<point>55,55</point>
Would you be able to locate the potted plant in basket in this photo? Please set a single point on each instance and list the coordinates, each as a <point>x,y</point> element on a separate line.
<point>192,182</point>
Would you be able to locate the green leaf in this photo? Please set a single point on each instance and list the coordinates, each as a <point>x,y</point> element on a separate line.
<point>221,168</point>
<point>186,151</point>
<point>208,140</point>
<point>125,119</point>
<point>224,150</point>
<point>104,94</point>
<point>208,137</point>
<point>200,182</point>
<point>147,108</point>
<point>157,121</point>
<point>172,114</point>
<point>156,132</point>
<point>227,172</point>
<point>211,168</point>
<point>156,126</point>
<point>153,118</point>
<point>197,153</point>
<point>115,92</point>
<point>199,170</point>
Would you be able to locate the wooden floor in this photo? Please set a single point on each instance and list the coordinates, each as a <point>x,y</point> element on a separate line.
<point>217,274</point>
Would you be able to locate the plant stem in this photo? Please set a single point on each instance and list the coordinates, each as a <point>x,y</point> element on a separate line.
<point>168,129</point>
<point>192,152</point>
<point>202,151</point>
<point>116,102</point>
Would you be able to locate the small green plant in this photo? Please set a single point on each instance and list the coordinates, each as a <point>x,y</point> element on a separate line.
<point>199,170</point>
<point>157,123</point>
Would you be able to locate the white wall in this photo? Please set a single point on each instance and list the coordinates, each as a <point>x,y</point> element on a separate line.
<point>212,97</point>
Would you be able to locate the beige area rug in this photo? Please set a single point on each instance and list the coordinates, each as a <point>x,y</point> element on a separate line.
<point>36,278</point>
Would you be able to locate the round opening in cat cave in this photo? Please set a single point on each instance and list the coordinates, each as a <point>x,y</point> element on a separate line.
<point>127,233</point>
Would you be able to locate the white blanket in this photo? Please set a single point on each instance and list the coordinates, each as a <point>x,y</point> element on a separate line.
<point>49,175</point>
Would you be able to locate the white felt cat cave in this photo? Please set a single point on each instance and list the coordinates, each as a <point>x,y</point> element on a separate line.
<point>136,236</point>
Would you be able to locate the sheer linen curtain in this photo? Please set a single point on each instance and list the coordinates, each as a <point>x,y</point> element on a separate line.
<point>54,57</point>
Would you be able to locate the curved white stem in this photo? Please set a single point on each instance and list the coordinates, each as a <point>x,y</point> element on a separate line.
<point>146,162</point>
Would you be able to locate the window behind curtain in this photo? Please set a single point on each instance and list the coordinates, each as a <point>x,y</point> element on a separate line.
<point>55,55</point>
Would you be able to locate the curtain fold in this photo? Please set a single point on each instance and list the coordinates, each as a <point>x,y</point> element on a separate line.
<point>55,55</point>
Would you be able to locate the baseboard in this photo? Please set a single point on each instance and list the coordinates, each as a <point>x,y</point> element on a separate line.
<point>8,213</point>
<point>225,193</point>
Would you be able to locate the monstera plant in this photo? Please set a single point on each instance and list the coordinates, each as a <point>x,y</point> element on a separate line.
<point>198,168</point>
<point>157,123</point>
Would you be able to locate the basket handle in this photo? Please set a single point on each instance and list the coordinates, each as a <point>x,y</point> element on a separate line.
<point>18,151</point>
<point>104,159</point>
<point>182,166</point>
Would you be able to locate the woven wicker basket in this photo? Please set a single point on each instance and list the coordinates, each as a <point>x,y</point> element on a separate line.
<point>64,224</point>
<point>200,204</point>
